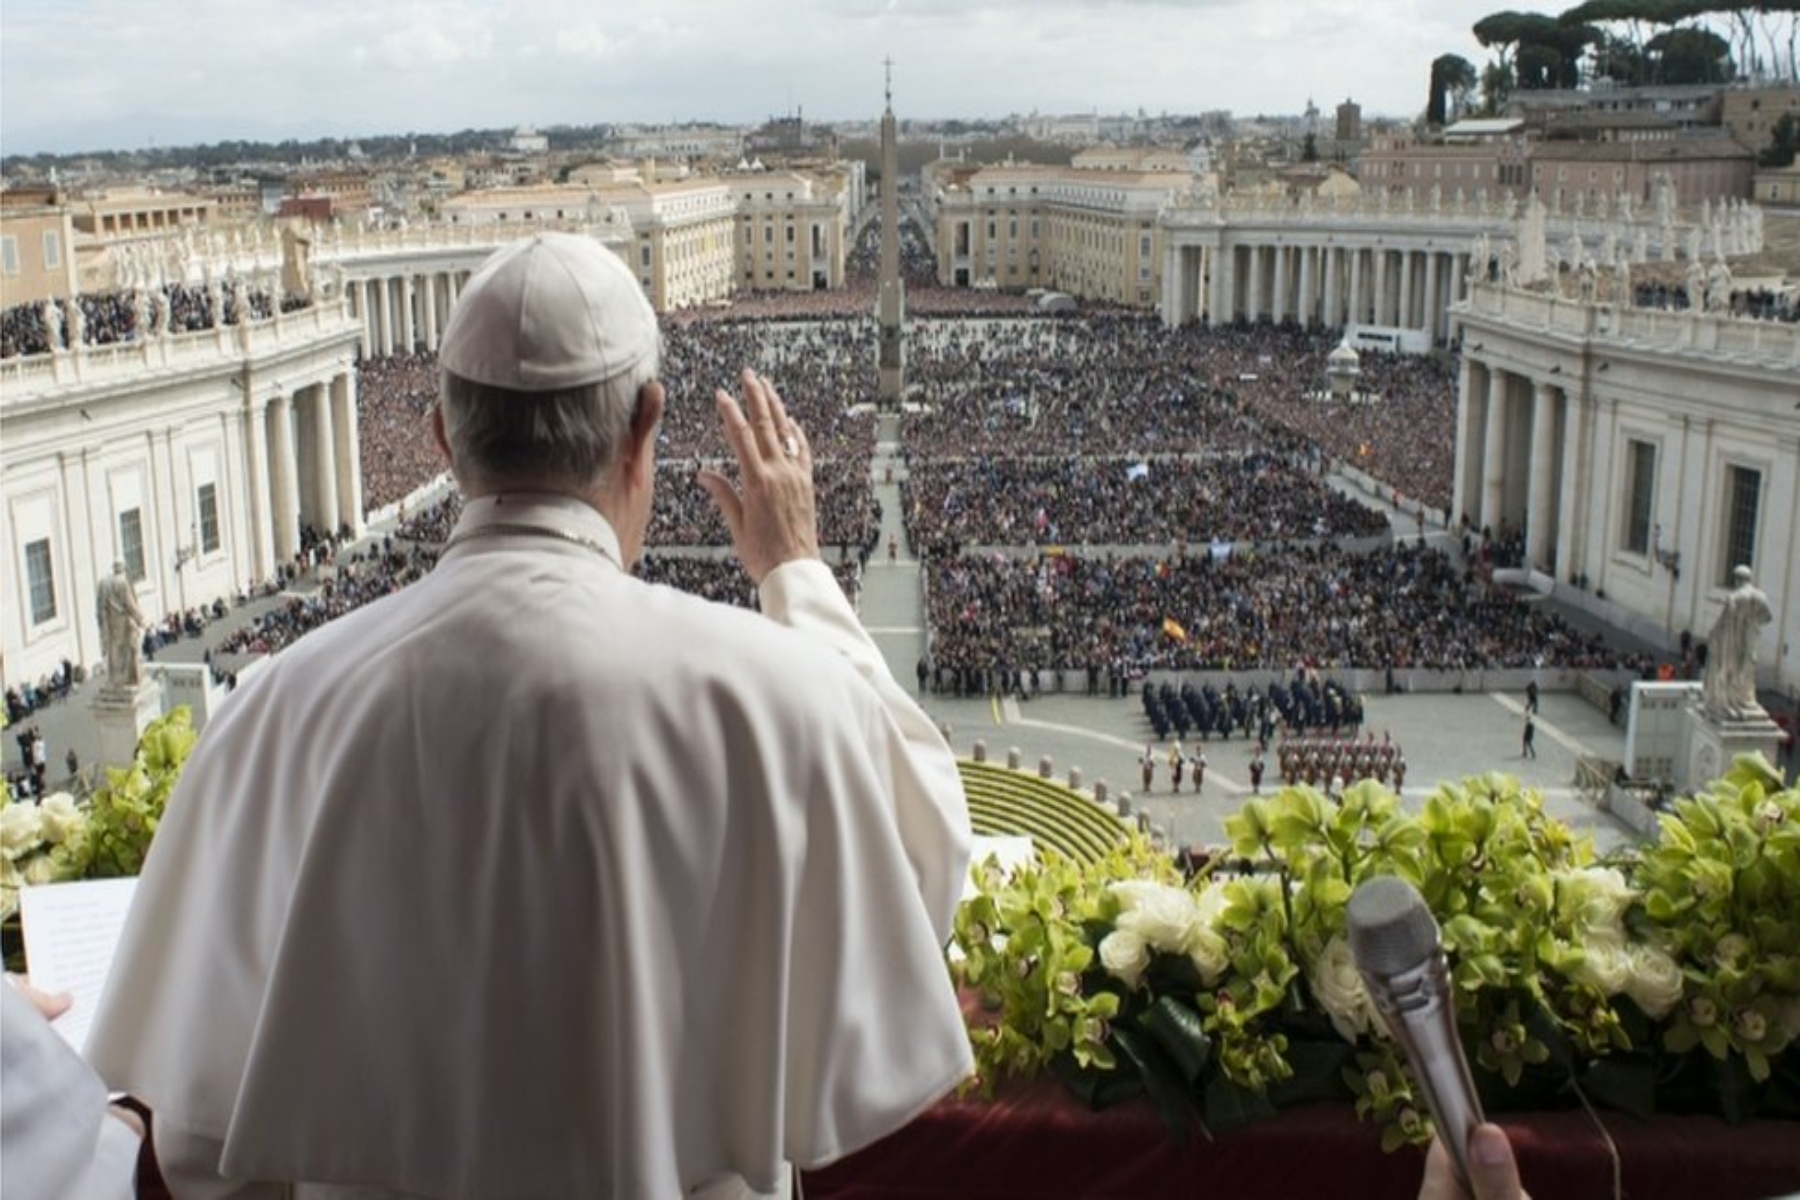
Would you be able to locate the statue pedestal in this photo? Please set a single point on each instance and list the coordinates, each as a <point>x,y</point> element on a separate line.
<point>1713,742</point>
<point>122,714</point>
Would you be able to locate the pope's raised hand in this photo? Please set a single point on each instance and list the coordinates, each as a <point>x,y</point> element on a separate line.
<point>771,512</point>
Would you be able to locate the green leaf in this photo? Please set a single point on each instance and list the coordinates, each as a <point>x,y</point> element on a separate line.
<point>1626,1082</point>
<point>1168,1093</point>
<point>1178,1029</point>
<point>1228,1106</point>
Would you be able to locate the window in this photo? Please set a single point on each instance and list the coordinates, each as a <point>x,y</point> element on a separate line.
<point>52,250</point>
<point>9,255</point>
<point>131,543</point>
<point>40,580</point>
<point>1641,463</point>
<point>208,505</point>
<point>1743,496</point>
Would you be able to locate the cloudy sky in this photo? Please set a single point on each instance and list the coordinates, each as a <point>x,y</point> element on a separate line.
<point>92,74</point>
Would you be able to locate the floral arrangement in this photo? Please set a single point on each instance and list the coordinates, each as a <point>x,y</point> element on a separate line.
<point>109,835</point>
<point>1667,978</point>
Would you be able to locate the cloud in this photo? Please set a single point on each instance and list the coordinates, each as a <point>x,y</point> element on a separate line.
<point>239,68</point>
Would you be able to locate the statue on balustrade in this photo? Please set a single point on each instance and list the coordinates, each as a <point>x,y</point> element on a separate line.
<point>121,629</point>
<point>1695,285</point>
<point>1718,287</point>
<point>1728,691</point>
<point>77,323</point>
<point>53,324</point>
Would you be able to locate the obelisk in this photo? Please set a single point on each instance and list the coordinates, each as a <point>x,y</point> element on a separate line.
<point>890,305</point>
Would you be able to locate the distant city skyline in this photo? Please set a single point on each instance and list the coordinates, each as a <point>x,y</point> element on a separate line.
<point>88,75</point>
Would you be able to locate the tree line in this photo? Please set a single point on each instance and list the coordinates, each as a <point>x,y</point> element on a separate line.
<point>1633,43</point>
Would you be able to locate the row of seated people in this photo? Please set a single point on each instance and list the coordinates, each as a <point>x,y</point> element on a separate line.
<point>1249,497</point>
<point>1408,606</point>
<point>1306,702</point>
<point>1321,761</point>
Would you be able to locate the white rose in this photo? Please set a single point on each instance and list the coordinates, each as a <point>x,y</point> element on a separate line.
<point>1339,990</point>
<point>1125,957</point>
<point>58,818</point>
<point>1206,949</point>
<point>1654,981</point>
<point>1165,917</point>
<point>1605,964</point>
<point>40,870</point>
<point>20,828</point>
<point>1598,897</point>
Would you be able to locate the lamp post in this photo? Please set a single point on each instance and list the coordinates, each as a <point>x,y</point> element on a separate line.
<point>1671,562</point>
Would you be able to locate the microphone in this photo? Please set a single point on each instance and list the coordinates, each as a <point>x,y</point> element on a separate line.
<point>1395,942</point>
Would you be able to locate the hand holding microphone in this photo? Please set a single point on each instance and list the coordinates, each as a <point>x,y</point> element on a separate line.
<point>1395,942</point>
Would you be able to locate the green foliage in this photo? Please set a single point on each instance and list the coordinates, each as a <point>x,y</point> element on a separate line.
<point>1223,998</point>
<point>1453,79</point>
<point>1722,892</point>
<point>123,814</point>
<point>1784,143</point>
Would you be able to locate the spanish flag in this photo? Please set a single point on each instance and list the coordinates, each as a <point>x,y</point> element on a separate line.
<point>1173,631</point>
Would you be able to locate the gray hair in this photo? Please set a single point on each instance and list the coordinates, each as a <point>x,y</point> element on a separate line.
<point>567,438</point>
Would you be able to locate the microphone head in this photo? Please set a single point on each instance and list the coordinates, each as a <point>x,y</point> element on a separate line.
<point>1390,929</point>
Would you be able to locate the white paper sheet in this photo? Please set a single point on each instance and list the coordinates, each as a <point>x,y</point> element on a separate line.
<point>71,932</point>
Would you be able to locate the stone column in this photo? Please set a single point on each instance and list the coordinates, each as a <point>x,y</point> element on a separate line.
<point>1471,427</point>
<point>1254,304</point>
<point>1278,307</point>
<point>1493,466</point>
<point>1356,314</point>
<point>1540,512</point>
<point>324,483</point>
<point>381,317</point>
<point>1219,260</point>
<point>1408,260</point>
<point>1309,288</point>
<point>428,309</point>
<point>284,483</point>
<point>1170,307</point>
<point>1383,286</point>
<point>257,474</point>
<point>358,295</point>
<point>1334,300</point>
<point>1434,308</point>
<point>348,456</point>
<point>409,327</point>
<point>1577,480</point>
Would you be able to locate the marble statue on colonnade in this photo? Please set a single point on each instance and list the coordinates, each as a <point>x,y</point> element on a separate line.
<point>1728,691</point>
<point>1718,287</point>
<point>121,629</point>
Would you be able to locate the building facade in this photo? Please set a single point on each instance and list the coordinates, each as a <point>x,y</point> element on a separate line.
<point>194,459</point>
<point>37,247</point>
<point>1090,232</point>
<point>792,231</point>
<point>1643,454</point>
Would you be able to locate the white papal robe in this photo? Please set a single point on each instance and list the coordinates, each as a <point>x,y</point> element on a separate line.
<point>534,880</point>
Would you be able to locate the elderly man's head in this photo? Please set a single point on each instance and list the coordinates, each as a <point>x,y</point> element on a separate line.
<point>549,362</point>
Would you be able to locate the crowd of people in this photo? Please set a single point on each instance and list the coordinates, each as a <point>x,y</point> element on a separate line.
<point>1101,429</point>
<point>1123,385</point>
<point>1239,498</point>
<point>360,578</point>
<point>394,396</point>
<point>1406,607</point>
<point>132,315</point>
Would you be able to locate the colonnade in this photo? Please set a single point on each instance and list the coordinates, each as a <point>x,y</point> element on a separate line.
<point>1332,283</point>
<point>303,467</point>
<point>1520,442</point>
<point>404,312</point>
